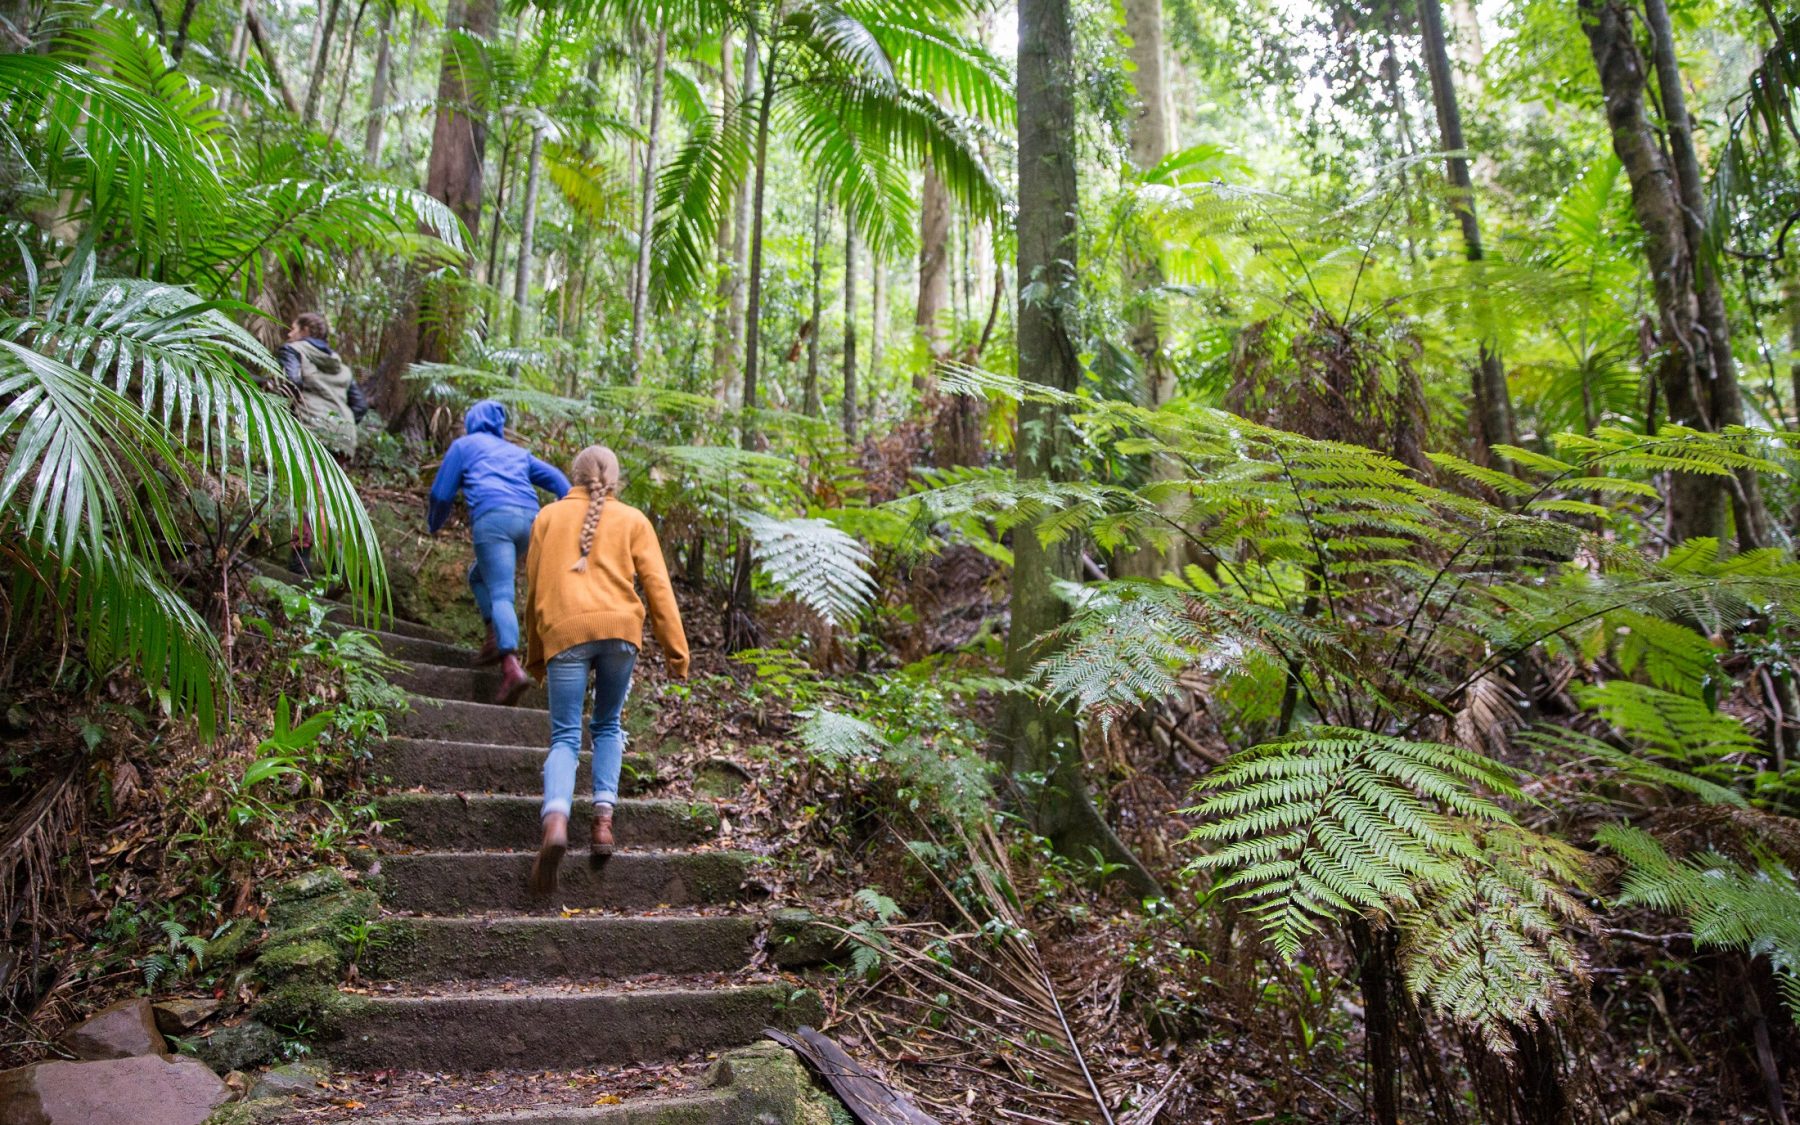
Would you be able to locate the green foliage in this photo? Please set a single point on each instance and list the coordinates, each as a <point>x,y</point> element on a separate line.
<point>815,563</point>
<point>1754,909</point>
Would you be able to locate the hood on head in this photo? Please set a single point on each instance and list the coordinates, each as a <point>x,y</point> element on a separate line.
<point>486,417</point>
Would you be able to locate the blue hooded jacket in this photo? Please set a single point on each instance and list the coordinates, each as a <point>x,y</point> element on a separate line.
<point>492,472</point>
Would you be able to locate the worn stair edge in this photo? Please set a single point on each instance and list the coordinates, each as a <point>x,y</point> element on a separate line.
<point>482,767</point>
<point>443,883</point>
<point>419,650</point>
<point>449,681</point>
<point>541,949</point>
<point>343,615</point>
<point>474,822</point>
<point>552,1028</point>
<point>463,721</point>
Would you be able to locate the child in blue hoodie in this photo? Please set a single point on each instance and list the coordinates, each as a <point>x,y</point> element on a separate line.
<point>500,482</point>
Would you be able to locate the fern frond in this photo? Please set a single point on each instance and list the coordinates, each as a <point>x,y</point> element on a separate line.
<point>816,563</point>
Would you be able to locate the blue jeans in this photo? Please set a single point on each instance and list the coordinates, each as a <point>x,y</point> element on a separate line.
<point>566,676</point>
<point>501,539</point>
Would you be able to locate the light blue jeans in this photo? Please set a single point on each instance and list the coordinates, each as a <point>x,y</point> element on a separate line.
<point>609,664</point>
<point>501,539</point>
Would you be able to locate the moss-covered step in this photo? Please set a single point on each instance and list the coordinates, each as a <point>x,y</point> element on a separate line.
<point>485,768</point>
<point>546,1027</point>
<point>462,721</point>
<point>594,947</point>
<point>711,1107</point>
<point>472,882</point>
<point>470,822</point>
<point>449,681</point>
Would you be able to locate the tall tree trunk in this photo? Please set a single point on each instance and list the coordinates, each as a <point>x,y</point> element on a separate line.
<point>740,253</point>
<point>337,109</point>
<point>934,273</point>
<point>321,63</point>
<point>640,277</point>
<point>811,406</point>
<point>260,35</point>
<point>723,367</point>
<point>378,90</point>
<point>1042,741</point>
<point>1696,500</point>
<point>235,54</point>
<point>527,236</point>
<point>492,273</point>
<point>1790,298</point>
<point>1378,976</point>
<point>181,29</point>
<point>1493,403</point>
<point>1721,382</point>
<point>453,175</point>
<point>849,404</point>
<point>878,319</point>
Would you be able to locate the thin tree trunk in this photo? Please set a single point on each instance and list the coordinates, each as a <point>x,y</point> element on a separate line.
<point>740,253</point>
<point>527,237</point>
<point>934,273</point>
<point>1493,403</point>
<point>1043,744</point>
<point>378,91</point>
<point>1790,297</point>
<point>1378,977</point>
<point>181,30</point>
<point>849,404</point>
<point>640,290</point>
<point>1721,383</point>
<point>726,273</point>
<point>235,54</point>
<point>337,110</point>
<point>1696,500</point>
<point>261,37</point>
<point>878,319</point>
<point>811,405</point>
<point>316,83</point>
<point>492,276</point>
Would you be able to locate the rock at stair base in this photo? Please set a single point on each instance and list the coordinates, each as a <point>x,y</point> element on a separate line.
<point>124,1030</point>
<point>289,1080</point>
<point>145,1090</point>
<point>183,1013</point>
<point>233,1048</point>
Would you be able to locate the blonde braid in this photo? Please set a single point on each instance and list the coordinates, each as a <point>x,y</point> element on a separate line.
<point>596,501</point>
<point>596,469</point>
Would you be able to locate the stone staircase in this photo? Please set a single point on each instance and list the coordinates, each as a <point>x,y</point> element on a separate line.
<point>638,959</point>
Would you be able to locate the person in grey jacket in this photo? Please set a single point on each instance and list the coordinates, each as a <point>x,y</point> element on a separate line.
<point>326,400</point>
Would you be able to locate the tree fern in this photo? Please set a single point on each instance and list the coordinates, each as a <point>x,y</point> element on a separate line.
<point>814,562</point>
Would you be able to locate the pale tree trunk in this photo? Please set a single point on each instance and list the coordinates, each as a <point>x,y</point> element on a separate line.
<point>640,290</point>
<point>378,90</point>
<point>453,175</point>
<point>811,405</point>
<point>1697,501</point>
<point>849,405</point>
<point>1726,399</point>
<point>727,275</point>
<point>337,110</point>
<point>527,236</point>
<point>878,317</point>
<point>1493,402</point>
<point>934,273</point>
<point>1043,746</point>
<point>235,54</point>
<point>740,255</point>
<point>321,63</point>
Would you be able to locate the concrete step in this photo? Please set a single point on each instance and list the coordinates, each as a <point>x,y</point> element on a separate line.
<point>479,767</point>
<point>341,613</point>
<point>547,949</point>
<point>422,650</point>
<point>453,721</point>
<point>475,685</point>
<point>474,822</point>
<point>563,1027</point>
<point>446,883</point>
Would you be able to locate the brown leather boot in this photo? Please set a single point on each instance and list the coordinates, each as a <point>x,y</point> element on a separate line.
<point>490,650</point>
<point>600,835</point>
<point>513,681</point>
<point>550,853</point>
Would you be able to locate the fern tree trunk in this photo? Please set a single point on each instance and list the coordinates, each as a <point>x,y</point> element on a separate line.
<point>1493,403</point>
<point>1043,744</point>
<point>1378,975</point>
<point>1721,384</point>
<point>1697,502</point>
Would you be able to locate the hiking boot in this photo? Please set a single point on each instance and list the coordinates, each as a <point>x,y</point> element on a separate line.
<point>513,681</point>
<point>600,834</point>
<point>550,853</point>
<point>490,650</point>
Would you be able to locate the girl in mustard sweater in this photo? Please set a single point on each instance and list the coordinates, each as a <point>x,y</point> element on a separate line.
<point>583,622</point>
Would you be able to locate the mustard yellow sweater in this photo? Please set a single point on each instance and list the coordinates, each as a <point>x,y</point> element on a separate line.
<point>565,608</point>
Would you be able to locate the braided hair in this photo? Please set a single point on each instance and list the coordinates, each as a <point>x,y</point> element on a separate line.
<point>596,469</point>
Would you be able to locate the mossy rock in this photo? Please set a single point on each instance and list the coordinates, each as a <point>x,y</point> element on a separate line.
<point>234,1048</point>
<point>798,940</point>
<point>313,884</point>
<point>323,917</point>
<point>254,1111</point>
<point>237,936</point>
<point>314,959</point>
<point>317,1009</point>
<point>770,1079</point>
<point>720,778</point>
